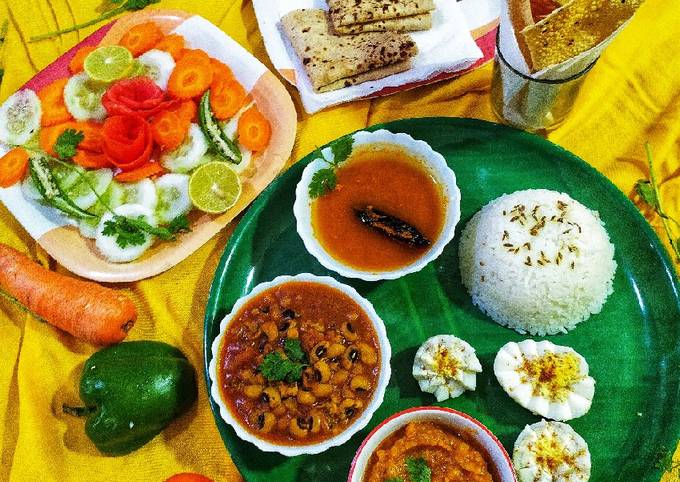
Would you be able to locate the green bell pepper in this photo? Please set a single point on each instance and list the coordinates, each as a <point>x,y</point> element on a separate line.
<point>132,391</point>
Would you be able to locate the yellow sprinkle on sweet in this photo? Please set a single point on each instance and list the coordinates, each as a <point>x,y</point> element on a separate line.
<point>551,453</point>
<point>551,375</point>
<point>445,365</point>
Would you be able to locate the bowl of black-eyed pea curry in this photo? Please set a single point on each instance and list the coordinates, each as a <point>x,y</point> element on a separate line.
<point>300,364</point>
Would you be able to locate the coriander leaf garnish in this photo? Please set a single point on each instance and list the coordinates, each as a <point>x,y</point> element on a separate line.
<point>325,180</point>
<point>276,368</point>
<point>123,5</point>
<point>293,349</point>
<point>648,190</point>
<point>341,149</point>
<point>418,470</point>
<point>133,231</point>
<point>179,225</point>
<point>394,479</point>
<point>67,142</point>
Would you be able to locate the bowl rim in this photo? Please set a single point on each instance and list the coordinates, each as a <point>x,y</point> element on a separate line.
<point>365,417</point>
<point>450,413</point>
<point>422,151</point>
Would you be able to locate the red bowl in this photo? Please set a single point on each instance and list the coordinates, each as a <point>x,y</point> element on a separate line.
<point>494,453</point>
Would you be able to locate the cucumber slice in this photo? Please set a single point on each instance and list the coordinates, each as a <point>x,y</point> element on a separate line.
<point>91,185</point>
<point>108,246</point>
<point>189,155</point>
<point>111,199</point>
<point>173,197</point>
<point>20,117</point>
<point>159,65</point>
<point>217,139</point>
<point>83,97</point>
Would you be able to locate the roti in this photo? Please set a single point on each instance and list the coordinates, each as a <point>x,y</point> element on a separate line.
<point>350,12</point>
<point>573,28</point>
<point>403,24</point>
<point>333,62</point>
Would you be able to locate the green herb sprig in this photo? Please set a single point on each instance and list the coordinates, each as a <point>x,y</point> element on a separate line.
<point>275,367</point>
<point>417,469</point>
<point>325,180</point>
<point>67,143</point>
<point>121,6</point>
<point>648,190</point>
<point>133,231</point>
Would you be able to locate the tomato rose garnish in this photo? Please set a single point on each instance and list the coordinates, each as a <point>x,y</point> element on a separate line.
<point>127,141</point>
<point>139,95</point>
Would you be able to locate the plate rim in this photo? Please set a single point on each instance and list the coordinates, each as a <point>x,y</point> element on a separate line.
<point>210,316</point>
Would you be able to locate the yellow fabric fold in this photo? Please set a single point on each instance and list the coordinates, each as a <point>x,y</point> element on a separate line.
<point>631,96</point>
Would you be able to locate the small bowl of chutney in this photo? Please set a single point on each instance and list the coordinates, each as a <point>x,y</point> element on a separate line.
<point>377,205</point>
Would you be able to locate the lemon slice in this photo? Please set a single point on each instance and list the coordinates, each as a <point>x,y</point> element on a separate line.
<point>214,187</point>
<point>108,63</point>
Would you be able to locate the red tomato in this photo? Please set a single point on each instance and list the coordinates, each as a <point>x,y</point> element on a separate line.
<point>127,141</point>
<point>188,477</point>
<point>138,95</point>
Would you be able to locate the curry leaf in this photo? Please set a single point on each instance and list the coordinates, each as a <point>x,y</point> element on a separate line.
<point>394,479</point>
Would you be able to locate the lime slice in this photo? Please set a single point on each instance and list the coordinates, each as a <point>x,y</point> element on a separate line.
<point>108,63</point>
<point>214,187</point>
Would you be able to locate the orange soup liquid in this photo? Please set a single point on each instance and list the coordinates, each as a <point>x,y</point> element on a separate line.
<point>392,183</point>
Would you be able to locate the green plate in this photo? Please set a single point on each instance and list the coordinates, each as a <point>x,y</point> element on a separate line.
<point>632,346</point>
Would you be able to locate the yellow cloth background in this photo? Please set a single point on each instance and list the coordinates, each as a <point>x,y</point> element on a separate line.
<point>631,96</point>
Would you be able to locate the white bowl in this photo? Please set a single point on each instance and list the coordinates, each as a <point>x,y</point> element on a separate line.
<point>421,150</point>
<point>359,423</point>
<point>496,457</point>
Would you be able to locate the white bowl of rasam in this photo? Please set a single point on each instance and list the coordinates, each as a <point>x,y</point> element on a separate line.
<point>377,205</point>
<point>300,364</point>
<point>431,443</point>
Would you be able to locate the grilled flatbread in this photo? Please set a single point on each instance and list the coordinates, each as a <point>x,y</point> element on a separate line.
<point>573,28</point>
<point>350,12</point>
<point>403,24</point>
<point>333,62</point>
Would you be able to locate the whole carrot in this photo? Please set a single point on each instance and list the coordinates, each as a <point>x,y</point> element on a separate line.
<point>84,309</point>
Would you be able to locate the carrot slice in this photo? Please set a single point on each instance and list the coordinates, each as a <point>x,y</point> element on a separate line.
<point>49,135</point>
<point>187,110</point>
<point>76,64</point>
<point>141,38</point>
<point>146,170</point>
<point>91,160</point>
<point>194,54</point>
<point>221,72</point>
<point>13,166</point>
<point>54,110</point>
<point>172,44</point>
<point>169,130</point>
<point>190,78</point>
<point>226,98</point>
<point>254,130</point>
<point>93,135</point>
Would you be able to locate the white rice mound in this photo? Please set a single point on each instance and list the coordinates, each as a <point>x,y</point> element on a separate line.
<point>537,261</point>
